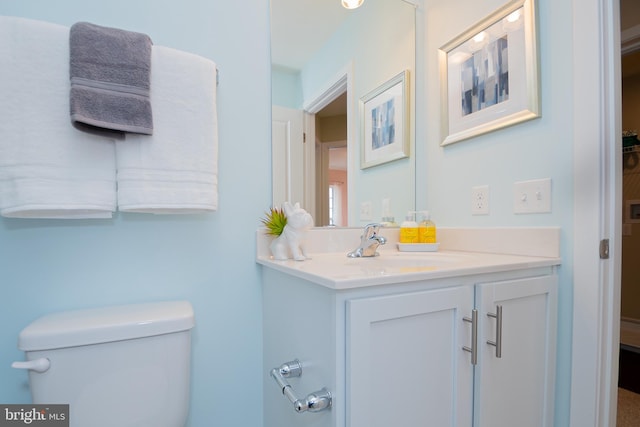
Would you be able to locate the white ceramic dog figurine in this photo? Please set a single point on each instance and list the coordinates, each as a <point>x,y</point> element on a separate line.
<point>292,238</point>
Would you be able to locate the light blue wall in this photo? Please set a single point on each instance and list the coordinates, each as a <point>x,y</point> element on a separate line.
<point>47,265</point>
<point>542,148</point>
<point>286,88</point>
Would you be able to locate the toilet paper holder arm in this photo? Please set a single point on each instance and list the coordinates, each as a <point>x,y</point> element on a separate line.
<point>313,402</point>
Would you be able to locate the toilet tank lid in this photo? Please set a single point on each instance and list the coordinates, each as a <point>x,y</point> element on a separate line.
<point>106,324</point>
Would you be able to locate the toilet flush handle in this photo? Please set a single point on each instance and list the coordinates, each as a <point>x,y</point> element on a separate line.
<point>39,365</point>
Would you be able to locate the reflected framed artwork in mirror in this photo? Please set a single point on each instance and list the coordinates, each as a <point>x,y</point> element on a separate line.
<point>384,120</point>
<point>489,74</point>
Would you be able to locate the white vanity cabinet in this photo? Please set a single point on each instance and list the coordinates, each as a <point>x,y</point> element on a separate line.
<point>517,388</point>
<point>392,354</point>
<point>406,365</point>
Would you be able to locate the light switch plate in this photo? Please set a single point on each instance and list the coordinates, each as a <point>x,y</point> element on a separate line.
<point>366,213</point>
<point>532,196</point>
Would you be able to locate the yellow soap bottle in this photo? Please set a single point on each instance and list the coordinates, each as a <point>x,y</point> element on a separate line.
<point>409,230</point>
<point>426,229</point>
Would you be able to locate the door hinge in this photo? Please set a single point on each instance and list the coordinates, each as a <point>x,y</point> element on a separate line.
<point>304,137</point>
<point>604,249</point>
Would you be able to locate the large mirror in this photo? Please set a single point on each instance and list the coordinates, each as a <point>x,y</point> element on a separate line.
<point>325,60</point>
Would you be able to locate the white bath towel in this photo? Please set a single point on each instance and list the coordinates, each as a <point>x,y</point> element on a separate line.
<point>48,169</point>
<point>175,169</point>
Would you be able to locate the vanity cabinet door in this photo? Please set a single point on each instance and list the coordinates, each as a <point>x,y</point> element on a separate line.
<point>404,363</point>
<point>516,389</point>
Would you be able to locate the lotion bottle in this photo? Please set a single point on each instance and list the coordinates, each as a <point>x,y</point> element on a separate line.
<point>426,229</point>
<point>409,229</point>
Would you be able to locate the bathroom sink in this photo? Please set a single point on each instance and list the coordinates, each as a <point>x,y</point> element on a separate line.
<point>337,266</point>
<point>423,258</point>
<point>391,258</point>
<point>406,262</point>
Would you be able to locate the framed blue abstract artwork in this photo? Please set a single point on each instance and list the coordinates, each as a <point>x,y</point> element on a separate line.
<point>490,74</point>
<point>384,120</point>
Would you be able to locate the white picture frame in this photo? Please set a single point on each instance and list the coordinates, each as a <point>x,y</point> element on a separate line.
<point>490,76</point>
<point>384,120</point>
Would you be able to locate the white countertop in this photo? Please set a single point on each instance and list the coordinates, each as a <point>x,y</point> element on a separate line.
<point>526,248</point>
<point>337,271</point>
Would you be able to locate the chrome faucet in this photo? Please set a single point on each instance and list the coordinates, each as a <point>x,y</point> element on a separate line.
<point>369,242</point>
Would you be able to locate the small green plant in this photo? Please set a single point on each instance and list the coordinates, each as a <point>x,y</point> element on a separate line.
<point>275,221</point>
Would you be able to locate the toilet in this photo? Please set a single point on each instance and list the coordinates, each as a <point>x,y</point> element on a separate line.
<point>121,366</point>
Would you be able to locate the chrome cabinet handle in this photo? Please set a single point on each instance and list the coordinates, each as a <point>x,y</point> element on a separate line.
<point>474,336</point>
<point>498,342</point>
<point>314,402</point>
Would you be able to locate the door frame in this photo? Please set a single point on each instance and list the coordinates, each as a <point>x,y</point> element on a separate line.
<point>342,82</point>
<point>597,210</point>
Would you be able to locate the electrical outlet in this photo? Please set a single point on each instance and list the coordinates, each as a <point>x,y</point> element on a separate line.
<point>366,213</point>
<point>532,196</point>
<point>480,200</point>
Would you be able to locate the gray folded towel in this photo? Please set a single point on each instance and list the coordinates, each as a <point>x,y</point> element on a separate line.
<point>110,79</point>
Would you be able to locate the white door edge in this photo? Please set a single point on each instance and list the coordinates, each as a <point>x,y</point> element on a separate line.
<point>597,201</point>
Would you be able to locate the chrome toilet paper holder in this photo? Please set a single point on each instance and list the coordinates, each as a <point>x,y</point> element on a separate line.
<point>313,402</point>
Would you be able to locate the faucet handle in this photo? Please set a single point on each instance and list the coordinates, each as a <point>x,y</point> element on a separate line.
<point>369,242</point>
<point>371,232</point>
<point>372,229</point>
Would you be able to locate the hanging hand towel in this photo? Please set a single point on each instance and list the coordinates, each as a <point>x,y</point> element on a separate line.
<point>48,169</point>
<point>175,169</point>
<point>110,75</point>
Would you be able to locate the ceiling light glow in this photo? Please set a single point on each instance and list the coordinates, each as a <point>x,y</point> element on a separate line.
<point>352,4</point>
<point>513,17</point>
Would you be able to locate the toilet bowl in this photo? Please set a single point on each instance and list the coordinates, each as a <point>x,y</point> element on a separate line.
<point>122,366</point>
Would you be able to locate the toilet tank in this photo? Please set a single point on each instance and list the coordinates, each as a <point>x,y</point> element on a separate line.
<point>122,366</point>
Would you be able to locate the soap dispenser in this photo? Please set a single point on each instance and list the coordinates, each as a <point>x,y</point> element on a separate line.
<point>387,219</point>
<point>409,229</point>
<point>426,229</point>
